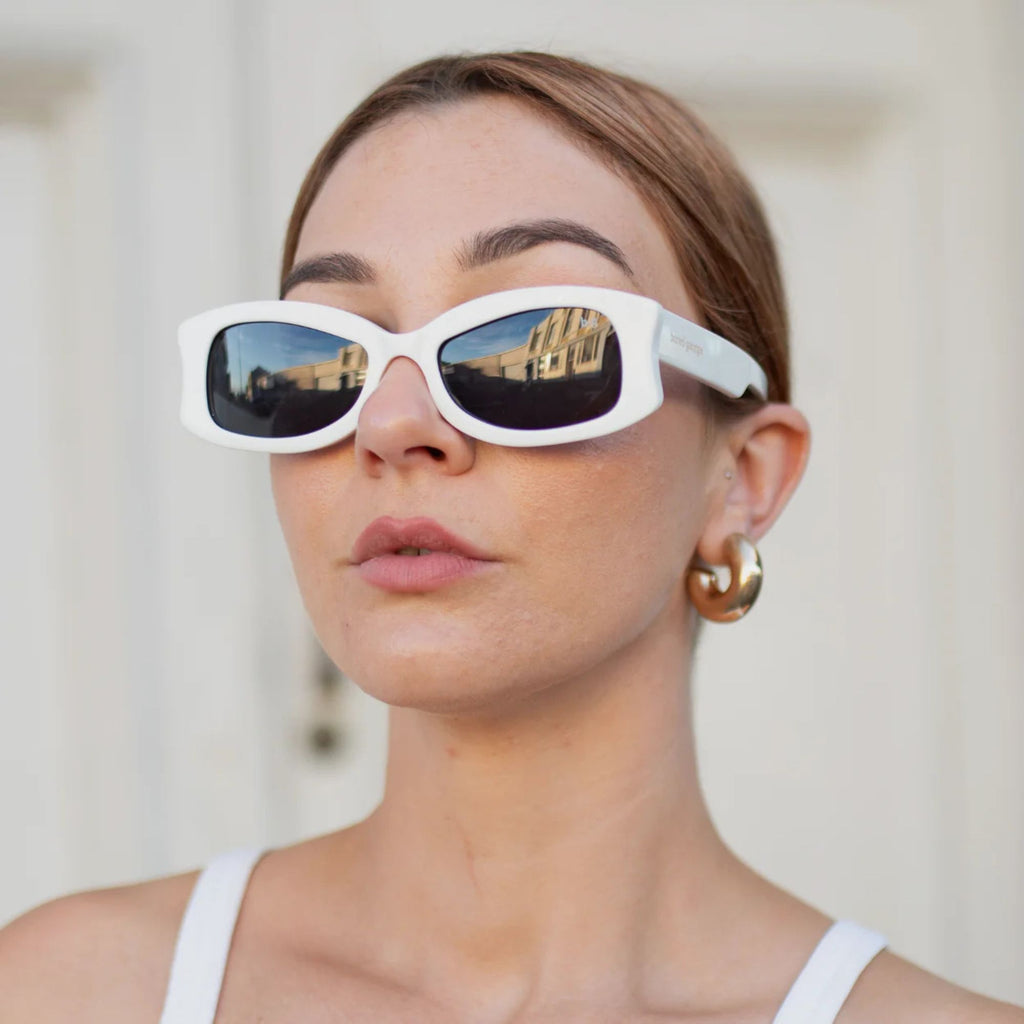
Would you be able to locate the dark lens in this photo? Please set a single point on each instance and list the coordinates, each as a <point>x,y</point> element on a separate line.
<point>535,370</point>
<point>281,380</point>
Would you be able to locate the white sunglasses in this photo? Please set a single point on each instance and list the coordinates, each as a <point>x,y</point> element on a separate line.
<point>522,368</point>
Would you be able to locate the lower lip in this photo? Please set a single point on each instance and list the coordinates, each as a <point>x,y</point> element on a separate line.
<point>417,574</point>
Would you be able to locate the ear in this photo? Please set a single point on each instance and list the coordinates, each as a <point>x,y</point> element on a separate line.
<point>754,470</point>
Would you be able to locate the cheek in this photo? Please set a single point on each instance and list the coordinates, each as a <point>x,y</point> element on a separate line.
<point>610,526</point>
<point>305,489</point>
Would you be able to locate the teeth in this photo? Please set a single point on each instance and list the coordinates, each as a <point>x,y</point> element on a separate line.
<point>413,551</point>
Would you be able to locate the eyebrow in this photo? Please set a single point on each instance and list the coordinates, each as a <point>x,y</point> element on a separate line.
<point>330,268</point>
<point>483,248</point>
<point>501,243</point>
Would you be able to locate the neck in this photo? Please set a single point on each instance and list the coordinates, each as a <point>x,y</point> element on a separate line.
<point>554,842</point>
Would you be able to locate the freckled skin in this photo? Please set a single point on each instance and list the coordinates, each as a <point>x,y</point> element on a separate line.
<point>594,537</point>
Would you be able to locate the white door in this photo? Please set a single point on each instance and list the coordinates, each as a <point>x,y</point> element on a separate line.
<point>163,697</point>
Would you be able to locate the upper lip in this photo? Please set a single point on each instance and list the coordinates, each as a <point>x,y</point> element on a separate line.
<point>387,536</point>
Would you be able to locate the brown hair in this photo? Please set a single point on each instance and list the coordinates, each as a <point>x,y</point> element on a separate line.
<point>710,212</point>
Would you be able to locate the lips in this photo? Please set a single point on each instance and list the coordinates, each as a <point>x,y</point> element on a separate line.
<point>382,555</point>
<point>388,536</point>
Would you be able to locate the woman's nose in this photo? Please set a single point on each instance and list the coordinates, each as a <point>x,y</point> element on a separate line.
<point>400,427</point>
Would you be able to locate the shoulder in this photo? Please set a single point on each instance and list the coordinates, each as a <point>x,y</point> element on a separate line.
<point>899,992</point>
<point>103,955</point>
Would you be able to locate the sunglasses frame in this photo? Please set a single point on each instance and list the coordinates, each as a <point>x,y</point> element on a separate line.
<point>646,333</point>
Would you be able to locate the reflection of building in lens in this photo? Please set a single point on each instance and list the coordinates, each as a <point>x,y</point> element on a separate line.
<point>347,372</point>
<point>568,342</point>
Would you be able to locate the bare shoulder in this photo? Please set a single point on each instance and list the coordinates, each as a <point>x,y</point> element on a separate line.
<point>102,955</point>
<point>899,992</point>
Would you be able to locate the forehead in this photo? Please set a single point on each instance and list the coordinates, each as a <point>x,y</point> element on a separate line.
<point>406,195</point>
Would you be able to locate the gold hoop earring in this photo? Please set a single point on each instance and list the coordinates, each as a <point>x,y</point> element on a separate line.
<point>745,578</point>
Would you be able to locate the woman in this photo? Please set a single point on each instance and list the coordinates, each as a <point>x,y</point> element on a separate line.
<point>499,528</point>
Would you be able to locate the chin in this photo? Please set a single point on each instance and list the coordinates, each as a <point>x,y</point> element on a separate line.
<point>434,691</point>
<point>467,682</point>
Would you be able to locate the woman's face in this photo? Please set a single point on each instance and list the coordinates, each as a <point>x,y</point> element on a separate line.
<point>588,542</point>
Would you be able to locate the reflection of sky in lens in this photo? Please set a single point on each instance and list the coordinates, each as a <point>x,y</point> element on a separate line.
<point>276,347</point>
<point>497,336</point>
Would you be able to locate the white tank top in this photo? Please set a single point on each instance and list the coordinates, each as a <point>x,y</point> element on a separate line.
<point>201,953</point>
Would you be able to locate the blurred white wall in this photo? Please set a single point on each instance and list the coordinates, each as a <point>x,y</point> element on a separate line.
<point>860,733</point>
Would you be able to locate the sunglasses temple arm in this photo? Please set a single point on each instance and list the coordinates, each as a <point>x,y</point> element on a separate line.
<point>708,357</point>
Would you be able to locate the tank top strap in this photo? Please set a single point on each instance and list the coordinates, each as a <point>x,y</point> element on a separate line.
<point>829,975</point>
<point>204,938</point>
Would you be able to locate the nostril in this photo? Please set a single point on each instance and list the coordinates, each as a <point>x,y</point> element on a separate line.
<point>435,453</point>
